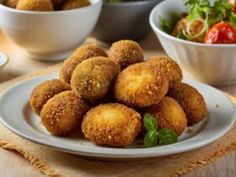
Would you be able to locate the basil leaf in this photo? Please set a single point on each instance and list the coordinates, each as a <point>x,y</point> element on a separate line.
<point>150,122</point>
<point>167,136</point>
<point>151,139</point>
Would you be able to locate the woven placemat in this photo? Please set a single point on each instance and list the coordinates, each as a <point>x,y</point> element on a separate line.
<point>57,164</point>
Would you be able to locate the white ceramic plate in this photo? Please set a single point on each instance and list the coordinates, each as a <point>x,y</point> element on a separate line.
<point>16,114</point>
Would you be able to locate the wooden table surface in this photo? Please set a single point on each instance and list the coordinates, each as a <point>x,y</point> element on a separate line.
<point>12,165</point>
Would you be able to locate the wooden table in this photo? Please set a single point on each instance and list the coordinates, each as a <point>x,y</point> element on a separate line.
<point>12,165</point>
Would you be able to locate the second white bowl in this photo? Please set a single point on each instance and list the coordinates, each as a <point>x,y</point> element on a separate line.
<point>49,35</point>
<point>211,64</point>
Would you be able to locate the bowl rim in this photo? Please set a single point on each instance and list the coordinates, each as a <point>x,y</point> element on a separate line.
<point>170,37</point>
<point>140,2</point>
<point>95,3</point>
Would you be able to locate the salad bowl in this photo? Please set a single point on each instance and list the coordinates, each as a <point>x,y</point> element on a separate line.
<point>209,63</point>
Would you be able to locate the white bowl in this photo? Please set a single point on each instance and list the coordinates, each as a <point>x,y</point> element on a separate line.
<point>49,35</point>
<point>212,64</point>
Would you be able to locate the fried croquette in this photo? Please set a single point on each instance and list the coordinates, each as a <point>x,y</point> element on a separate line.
<point>62,114</point>
<point>74,4</point>
<point>191,101</point>
<point>140,85</point>
<point>125,53</point>
<point>93,78</point>
<point>35,5</point>
<point>169,114</point>
<point>82,53</point>
<point>44,91</point>
<point>111,125</point>
<point>167,66</point>
<point>11,3</point>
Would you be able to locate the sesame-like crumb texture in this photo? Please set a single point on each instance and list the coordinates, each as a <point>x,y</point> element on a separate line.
<point>73,4</point>
<point>169,114</point>
<point>111,125</point>
<point>11,3</point>
<point>191,101</point>
<point>93,78</point>
<point>125,53</point>
<point>167,66</point>
<point>140,85</point>
<point>62,115</point>
<point>80,54</point>
<point>35,5</point>
<point>44,91</point>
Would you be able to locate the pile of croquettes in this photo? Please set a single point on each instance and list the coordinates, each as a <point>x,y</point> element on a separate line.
<point>104,95</point>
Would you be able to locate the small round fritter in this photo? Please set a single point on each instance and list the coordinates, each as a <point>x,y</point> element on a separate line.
<point>11,3</point>
<point>82,53</point>
<point>35,5</point>
<point>74,4</point>
<point>44,91</point>
<point>140,85</point>
<point>62,115</point>
<point>191,101</point>
<point>111,125</point>
<point>169,114</point>
<point>126,52</point>
<point>93,78</point>
<point>167,66</point>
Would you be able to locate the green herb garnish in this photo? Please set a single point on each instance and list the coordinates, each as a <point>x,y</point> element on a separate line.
<point>181,36</point>
<point>218,10</point>
<point>153,136</point>
<point>167,136</point>
<point>150,122</point>
<point>168,25</point>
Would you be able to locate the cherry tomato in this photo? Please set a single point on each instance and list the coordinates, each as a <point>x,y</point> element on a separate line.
<point>221,33</point>
<point>233,2</point>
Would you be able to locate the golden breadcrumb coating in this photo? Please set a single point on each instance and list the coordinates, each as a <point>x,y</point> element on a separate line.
<point>11,3</point>
<point>126,52</point>
<point>191,101</point>
<point>35,5</point>
<point>140,85</point>
<point>74,4</point>
<point>111,125</point>
<point>44,91</point>
<point>169,114</point>
<point>80,54</point>
<point>62,114</point>
<point>93,78</point>
<point>167,66</point>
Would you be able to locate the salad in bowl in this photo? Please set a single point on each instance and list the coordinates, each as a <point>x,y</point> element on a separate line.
<point>210,22</point>
<point>200,35</point>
